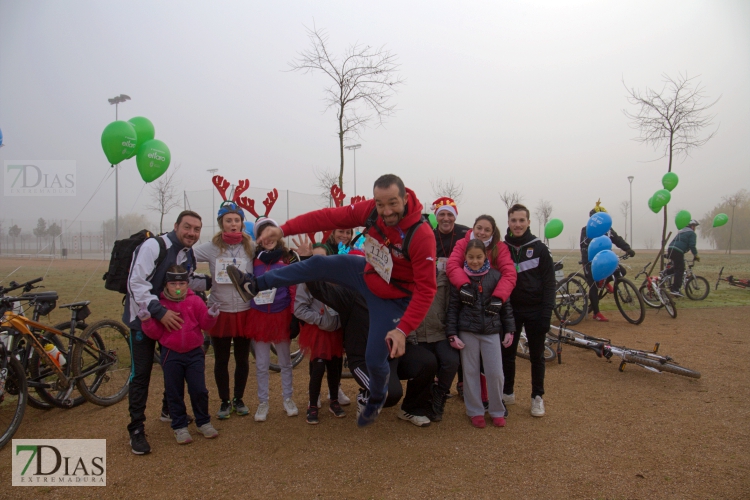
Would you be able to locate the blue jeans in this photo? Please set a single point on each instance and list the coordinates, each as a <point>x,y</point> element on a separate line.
<point>349,271</point>
<point>187,367</point>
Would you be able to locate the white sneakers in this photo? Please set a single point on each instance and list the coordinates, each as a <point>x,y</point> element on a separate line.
<point>343,398</point>
<point>509,399</point>
<point>537,407</point>
<point>290,407</point>
<point>262,413</point>
<point>414,419</point>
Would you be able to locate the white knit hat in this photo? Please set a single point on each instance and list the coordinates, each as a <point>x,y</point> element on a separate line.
<point>260,223</point>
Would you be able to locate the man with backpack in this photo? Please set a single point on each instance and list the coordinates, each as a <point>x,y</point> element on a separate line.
<point>397,280</point>
<point>145,282</point>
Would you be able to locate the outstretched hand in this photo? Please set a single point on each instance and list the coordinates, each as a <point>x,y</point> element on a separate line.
<point>304,245</point>
<point>269,235</point>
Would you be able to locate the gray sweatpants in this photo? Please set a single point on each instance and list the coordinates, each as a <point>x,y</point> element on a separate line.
<point>263,360</point>
<point>489,348</point>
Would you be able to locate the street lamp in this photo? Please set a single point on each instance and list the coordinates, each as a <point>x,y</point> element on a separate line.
<point>630,179</point>
<point>354,148</point>
<point>116,100</point>
<point>213,171</point>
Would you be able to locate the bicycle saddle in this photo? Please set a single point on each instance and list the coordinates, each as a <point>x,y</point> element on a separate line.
<point>76,305</point>
<point>40,296</point>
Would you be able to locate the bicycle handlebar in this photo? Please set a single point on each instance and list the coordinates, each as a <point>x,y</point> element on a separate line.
<point>27,287</point>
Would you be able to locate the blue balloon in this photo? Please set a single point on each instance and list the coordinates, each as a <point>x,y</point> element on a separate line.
<point>1,138</point>
<point>598,224</point>
<point>598,244</point>
<point>604,264</point>
<point>249,228</point>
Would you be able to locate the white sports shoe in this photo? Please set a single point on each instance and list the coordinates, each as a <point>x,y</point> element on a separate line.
<point>262,412</point>
<point>343,398</point>
<point>414,419</point>
<point>537,407</point>
<point>509,399</point>
<point>290,407</point>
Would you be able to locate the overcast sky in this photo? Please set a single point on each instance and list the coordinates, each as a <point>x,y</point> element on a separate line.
<point>524,96</point>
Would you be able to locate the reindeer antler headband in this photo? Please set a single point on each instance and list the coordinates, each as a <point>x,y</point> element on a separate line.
<point>243,201</point>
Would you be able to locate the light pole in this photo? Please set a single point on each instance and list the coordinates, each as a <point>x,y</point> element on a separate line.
<point>116,100</point>
<point>355,147</point>
<point>213,171</point>
<point>630,179</point>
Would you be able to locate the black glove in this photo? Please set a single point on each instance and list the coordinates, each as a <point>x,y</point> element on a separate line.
<point>466,295</point>
<point>494,307</point>
<point>631,253</point>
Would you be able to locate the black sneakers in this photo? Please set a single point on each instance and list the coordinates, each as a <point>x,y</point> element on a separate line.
<point>138,443</point>
<point>335,407</point>
<point>244,283</point>
<point>439,397</point>
<point>312,415</point>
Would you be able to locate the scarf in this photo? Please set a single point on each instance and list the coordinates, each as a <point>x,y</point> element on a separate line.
<point>486,242</point>
<point>481,272</point>
<point>231,238</point>
<point>270,257</point>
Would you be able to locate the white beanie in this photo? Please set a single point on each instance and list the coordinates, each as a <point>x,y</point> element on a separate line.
<point>260,223</point>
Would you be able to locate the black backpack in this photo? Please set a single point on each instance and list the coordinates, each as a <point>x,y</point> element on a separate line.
<point>116,277</point>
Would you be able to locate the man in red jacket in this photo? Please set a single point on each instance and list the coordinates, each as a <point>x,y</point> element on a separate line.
<point>397,279</point>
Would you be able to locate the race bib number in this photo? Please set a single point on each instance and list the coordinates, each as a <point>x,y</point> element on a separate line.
<point>379,257</point>
<point>221,268</point>
<point>265,297</point>
<point>442,264</point>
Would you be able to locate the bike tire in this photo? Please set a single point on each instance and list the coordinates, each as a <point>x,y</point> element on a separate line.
<point>523,351</point>
<point>13,401</point>
<point>41,372</point>
<point>295,353</point>
<point>649,297</point>
<point>667,366</point>
<point>105,343</point>
<point>572,300</point>
<point>697,288</point>
<point>629,301</point>
<point>669,304</point>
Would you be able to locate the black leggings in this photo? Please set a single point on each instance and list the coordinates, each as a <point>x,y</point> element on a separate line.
<point>222,349</point>
<point>318,367</point>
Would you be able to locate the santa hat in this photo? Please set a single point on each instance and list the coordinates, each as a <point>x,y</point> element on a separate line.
<point>445,203</point>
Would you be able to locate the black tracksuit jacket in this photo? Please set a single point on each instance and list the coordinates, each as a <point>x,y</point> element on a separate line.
<point>535,286</point>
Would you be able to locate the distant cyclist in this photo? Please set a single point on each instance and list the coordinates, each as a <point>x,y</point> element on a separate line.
<point>684,240</point>
<point>619,242</point>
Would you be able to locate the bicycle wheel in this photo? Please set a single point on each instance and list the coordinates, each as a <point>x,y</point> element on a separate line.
<point>523,351</point>
<point>295,353</point>
<point>56,395</point>
<point>669,303</point>
<point>666,366</point>
<point>13,399</point>
<point>629,301</point>
<point>650,298</point>
<point>571,301</point>
<point>697,288</point>
<point>101,362</point>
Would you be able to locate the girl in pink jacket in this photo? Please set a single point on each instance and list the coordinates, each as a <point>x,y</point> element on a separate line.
<point>182,356</point>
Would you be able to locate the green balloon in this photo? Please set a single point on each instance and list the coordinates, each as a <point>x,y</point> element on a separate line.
<point>119,141</point>
<point>433,220</point>
<point>720,220</point>
<point>153,160</point>
<point>144,130</point>
<point>662,197</point>
<point>654,208</point>
<point>682,218</point>
<point>553,229</point>
<point>669,181</point>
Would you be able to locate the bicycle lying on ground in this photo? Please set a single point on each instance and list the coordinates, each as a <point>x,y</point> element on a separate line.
<point>732,281</point>
<point>655,291</point>
<point>696,287</point>
<point>571,298</point>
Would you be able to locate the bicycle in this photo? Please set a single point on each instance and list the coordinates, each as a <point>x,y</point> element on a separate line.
<point>627,297</point>
<point>13,394</point>
<point>571,298</point>
<point>732,281</point>
<point>696,287</point>
<point>655,292</point>
<point>603,348</point>
<point>523,349</point>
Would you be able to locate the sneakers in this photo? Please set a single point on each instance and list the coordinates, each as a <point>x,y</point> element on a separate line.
<point>262,412</point>
<point>600,317</point>
<point>369,413</point>
<point>290,407</point>
<point>478,422</point>
<point>183,436</point>
<point>138,443</point>
<point>240,407</point>
<point>343,398</point>
<point>439,397</point>
<point>165,417</point>
<point>417,420</point>
<point>208,431</point>
<point>312,415</point>
<point>244,283</point>
<point>225,410</point>
<point>537,407</point>
<point>335,408</point>
<point>509,399</point>
<point>498,421</point>
<point>676,293</point>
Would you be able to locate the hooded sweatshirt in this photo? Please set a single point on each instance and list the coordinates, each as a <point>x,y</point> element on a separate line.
<point>416,275</point>
<point>195,317</point>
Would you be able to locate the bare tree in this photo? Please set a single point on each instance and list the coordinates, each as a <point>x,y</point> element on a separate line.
<point>449,188</point>
<point>326,179</point>
<point>364,80</point>
<point>543,212</point>
<point>165,196</point>
<point>671,120</point>
<point>510,199</point>
<point>625,211</point>
<point>649,242</point>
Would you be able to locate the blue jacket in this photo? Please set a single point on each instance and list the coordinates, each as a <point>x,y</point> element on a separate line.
<point>684,240</point>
